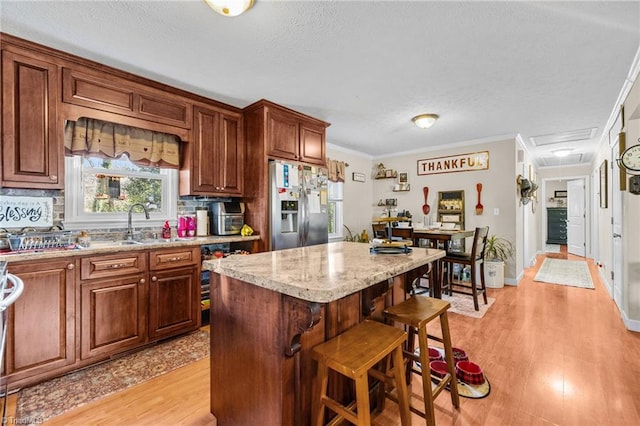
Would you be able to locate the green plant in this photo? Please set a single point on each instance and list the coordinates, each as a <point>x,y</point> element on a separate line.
<point>350,237</point>
<point>498,248</point>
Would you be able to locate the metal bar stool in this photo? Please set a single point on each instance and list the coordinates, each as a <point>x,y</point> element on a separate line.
<point>354,354</point>
<point>416,312</point>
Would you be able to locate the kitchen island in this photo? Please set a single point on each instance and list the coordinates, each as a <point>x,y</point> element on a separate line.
<point>269,309</point>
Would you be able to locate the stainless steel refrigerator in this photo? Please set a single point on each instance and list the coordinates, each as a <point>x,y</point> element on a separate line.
<point>298,203</point>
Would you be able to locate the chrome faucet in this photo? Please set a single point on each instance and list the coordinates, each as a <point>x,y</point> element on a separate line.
<point>129,227</point>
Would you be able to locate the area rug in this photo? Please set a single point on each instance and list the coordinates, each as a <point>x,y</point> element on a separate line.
<point>54,397</point>
<point>552,248</point>
<point>573,273</point>
<point>463,305</point>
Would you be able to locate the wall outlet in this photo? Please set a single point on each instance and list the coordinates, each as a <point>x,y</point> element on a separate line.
<point>496,211</point>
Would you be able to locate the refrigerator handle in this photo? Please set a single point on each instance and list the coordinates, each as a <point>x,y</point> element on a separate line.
<point>304,216</point>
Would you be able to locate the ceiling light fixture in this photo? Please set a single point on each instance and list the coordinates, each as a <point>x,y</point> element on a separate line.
<point>230,7</point>
<point>424,121</point>
<point>562,152</point>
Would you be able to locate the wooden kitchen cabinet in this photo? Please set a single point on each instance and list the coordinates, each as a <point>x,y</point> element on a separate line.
<point>100,90</point>
<point>41,334</point>
<point>32,147</point>
<point>289,134</point>
<point>213,163</point>
<point>174,292</point>
<point>113,303</point>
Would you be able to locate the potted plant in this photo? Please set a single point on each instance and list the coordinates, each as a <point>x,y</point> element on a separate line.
<point>497,251</point>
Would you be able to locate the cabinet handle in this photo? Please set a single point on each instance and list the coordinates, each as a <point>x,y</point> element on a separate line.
<point>142,281</point>
<point>154,278</point>
<point>116,265</point>
<point>53,177</point>
<point>71,266</point>
<point>175,259</point>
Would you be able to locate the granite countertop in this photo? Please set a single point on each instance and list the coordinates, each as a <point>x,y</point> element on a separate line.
<point>98,247</point>
<point>321,273</point>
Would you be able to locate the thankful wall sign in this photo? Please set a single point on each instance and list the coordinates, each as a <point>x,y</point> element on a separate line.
<point>454,163</point>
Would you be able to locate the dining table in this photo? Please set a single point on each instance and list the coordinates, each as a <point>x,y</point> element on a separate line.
<point>445,237</point>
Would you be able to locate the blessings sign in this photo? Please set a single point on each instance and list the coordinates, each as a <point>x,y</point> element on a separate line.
<point>18,212</point>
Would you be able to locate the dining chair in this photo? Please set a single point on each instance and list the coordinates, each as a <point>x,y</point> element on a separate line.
<point>379,230</point>
<point>475,260</point>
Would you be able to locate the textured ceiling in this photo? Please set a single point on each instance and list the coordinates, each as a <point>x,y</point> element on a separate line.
<point>489,69</point>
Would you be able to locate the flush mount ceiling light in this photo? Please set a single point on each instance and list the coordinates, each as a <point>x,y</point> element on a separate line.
<point>562,152</point>
<point>230,7</point>
<point>424,121</point>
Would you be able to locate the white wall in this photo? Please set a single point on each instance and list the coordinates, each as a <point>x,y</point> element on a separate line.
<point>357,195</point>
<point>499,192</point>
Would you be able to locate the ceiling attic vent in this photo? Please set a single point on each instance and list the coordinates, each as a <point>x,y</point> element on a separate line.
<point>568,136</point>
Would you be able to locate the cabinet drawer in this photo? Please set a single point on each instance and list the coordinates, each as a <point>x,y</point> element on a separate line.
<point>113,265</point>
<point>173,258</point>
<point>86,90</point>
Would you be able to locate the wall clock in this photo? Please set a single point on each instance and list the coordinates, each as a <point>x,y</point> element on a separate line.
<point>630,158</point>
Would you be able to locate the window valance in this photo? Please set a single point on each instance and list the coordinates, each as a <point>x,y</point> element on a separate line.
<point>336,170</point>
<point>100,138</point>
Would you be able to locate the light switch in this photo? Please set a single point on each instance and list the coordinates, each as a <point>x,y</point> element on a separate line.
<point>496,211</point>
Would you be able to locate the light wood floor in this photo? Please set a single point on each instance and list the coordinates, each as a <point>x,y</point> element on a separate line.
<point>553,354</point>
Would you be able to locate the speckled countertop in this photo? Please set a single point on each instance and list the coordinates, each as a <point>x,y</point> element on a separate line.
<point>98,247</point>
<point>321,273</point>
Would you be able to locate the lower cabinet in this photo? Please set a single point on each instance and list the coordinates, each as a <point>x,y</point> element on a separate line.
<point>174,292</point>
<point>41,331</point>
<point>174,302</point>
<point>114,315</point>
<point>77,311</point>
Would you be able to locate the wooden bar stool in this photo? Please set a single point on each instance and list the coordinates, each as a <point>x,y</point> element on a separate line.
<point>354,354</point>
<point>416,312</point>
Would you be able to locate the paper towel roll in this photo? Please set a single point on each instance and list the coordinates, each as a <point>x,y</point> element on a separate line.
<point>202,221</point>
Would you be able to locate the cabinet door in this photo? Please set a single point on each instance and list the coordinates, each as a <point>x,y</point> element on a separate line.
<point>41,331</point>
<point>230,151</point>
<point>111,93</point>
<point>31,146</point>
<point>113,315</point>
<point>205,177</point>
<point>217,154</point>
<point>174,302</point>
<point>282,135</point>
<point>312,144</point>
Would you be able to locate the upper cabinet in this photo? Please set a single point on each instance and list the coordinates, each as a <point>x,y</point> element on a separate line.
<point>213,163</point>
<point>106,92</point>
<point>291,135</point>
<point>32,147</point>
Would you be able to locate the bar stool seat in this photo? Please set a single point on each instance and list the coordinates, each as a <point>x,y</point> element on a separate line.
<point>416,312</point>
<point>354,354</point>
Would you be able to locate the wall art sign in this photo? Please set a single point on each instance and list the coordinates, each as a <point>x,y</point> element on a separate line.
<point>358,177</point>
<point>18,212</point>
<point>454,163</point>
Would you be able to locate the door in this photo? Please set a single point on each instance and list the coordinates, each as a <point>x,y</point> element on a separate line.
<point>617,254</point>
<point>576,209</point>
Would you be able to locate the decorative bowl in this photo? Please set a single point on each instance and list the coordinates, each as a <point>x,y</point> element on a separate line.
<point>459,355</point>
<point>434,354</point>
<point>438,368</point>
<point>469,372</point>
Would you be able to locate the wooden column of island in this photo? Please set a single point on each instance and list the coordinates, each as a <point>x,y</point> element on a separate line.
<point>269,309</point>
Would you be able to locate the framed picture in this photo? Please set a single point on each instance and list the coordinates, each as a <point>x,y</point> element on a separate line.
<point>357,177</point>
<point>403,177</point>
<point>603,185</point>
<point>560,194</point>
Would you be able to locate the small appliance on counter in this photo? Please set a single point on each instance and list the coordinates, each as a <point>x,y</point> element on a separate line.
<point>227,217</point>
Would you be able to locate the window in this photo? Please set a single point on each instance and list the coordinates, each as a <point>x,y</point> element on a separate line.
<point>335,204</point>
<point>100,191</point>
